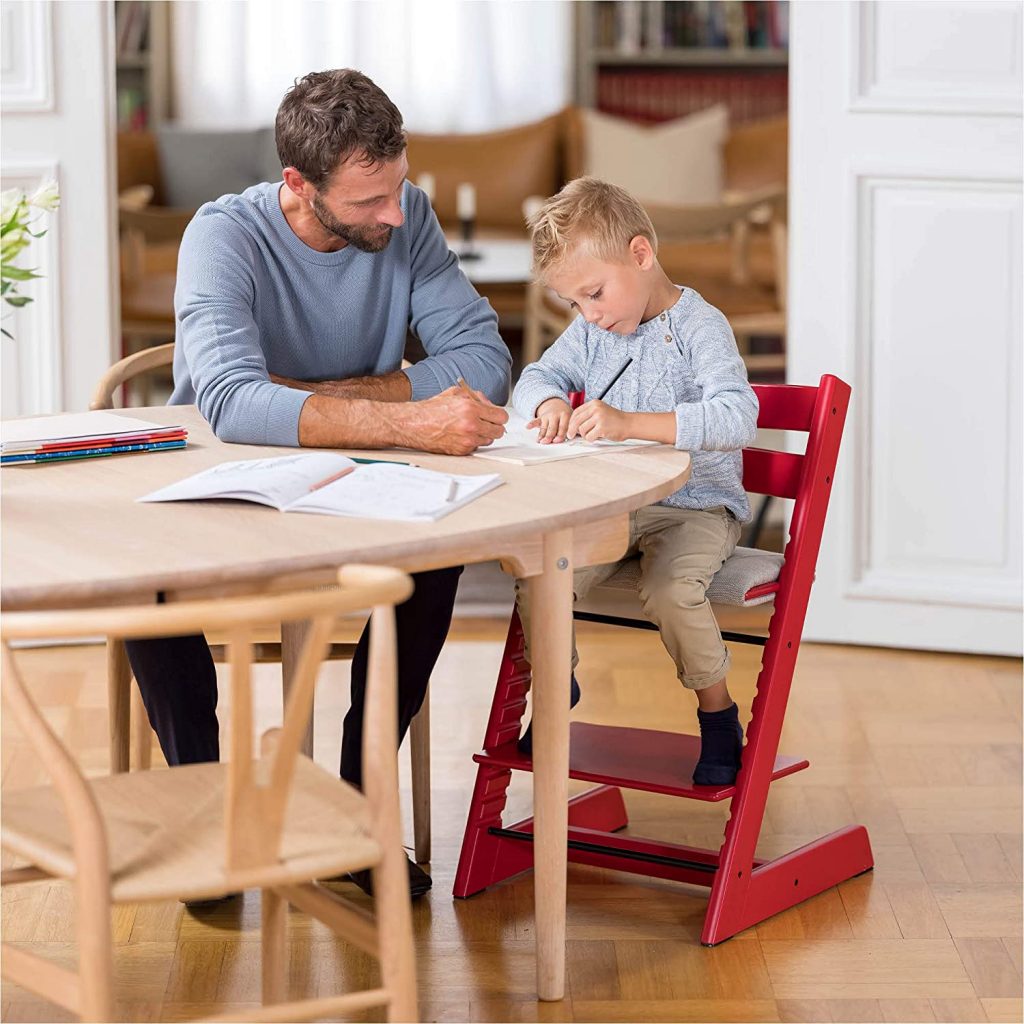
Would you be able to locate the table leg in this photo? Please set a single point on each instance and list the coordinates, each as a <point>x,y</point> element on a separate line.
<point>119,684</point>
<point>551,608</point>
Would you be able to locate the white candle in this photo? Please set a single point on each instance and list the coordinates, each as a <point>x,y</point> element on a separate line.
<point>465,202</point>
<point>427,183</point>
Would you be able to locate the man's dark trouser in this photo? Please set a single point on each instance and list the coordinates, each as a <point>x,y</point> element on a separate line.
<point>179,684</point>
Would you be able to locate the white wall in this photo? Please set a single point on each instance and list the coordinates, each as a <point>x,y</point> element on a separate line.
<point>906,278</point>
<point>58,121</point>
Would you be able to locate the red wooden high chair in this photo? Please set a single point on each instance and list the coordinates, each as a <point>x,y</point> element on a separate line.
<point>745,889</point>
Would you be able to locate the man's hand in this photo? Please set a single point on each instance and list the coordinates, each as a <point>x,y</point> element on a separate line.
<point>454,422</point>
<point>552,416</point>
<point>594,420</point>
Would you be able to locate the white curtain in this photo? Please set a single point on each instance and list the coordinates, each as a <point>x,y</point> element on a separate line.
<point>449,65</point>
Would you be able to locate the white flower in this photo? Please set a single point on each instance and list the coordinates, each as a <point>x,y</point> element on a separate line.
<point>10,199</point>
<point>46,197</point>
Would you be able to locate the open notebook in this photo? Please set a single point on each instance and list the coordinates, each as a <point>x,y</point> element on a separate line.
<point>520,446</point>
<point>328,484</point>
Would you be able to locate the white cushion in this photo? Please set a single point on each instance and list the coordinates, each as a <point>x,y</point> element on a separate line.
<point>745,569</point>
<point>677,163</point>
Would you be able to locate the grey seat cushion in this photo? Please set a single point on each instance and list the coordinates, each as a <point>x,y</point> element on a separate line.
<point>200,165</point>
<point>747,568</point>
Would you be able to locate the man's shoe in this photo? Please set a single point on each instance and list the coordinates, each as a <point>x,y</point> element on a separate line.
<point>209,902</point>
<point>419,881</point>
<point>525,742</point>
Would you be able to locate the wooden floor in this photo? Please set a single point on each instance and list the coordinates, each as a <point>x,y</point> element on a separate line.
<point>924,749</point>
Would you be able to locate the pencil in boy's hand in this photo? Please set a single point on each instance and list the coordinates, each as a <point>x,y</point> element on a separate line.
<point>614,380</point>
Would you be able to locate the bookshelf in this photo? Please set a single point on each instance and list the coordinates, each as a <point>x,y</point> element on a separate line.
<point>661,59</point>
<point>141,45</point>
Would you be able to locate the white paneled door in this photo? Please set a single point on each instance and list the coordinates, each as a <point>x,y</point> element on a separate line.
<point>57,103</point>
<point>906,280</point>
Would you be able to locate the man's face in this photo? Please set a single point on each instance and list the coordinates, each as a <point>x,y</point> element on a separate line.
<point>361,204</point>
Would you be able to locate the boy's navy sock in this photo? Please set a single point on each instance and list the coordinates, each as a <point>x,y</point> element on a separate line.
<point>721,743</point>
<point>525,743</point>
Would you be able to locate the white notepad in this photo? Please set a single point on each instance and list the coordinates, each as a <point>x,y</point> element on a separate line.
<point>298,483</point>
<point>520,446</point>
<point>18,435</point>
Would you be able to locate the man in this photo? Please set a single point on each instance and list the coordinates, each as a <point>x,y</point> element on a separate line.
<point>293,302</point>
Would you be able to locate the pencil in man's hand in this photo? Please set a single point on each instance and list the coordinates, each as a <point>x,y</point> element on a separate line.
<point>469,391</point>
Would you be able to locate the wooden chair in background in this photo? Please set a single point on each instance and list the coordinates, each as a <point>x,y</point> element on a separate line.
<point>267,818</point>
<point>150,238</point>
<point>128,720</point>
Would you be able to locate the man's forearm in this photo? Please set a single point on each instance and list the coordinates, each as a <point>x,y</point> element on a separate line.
<point>329,422</point>
<point>391,387</point>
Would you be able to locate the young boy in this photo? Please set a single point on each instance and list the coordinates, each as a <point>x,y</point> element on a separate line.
<point>686,385</point>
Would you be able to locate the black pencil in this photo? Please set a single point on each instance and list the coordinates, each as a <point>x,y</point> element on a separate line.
<point>614,379</point>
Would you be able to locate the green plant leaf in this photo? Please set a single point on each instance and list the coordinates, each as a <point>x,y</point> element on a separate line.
<point>17,300</point>
<point>17,274</point>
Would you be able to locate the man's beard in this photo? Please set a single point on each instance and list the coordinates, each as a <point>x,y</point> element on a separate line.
<point>363,238</point>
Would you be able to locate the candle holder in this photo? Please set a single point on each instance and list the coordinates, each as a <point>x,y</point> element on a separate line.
<point>466,250</point>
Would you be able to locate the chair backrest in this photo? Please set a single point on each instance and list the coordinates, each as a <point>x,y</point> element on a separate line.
<point>258,781</point>
<point>127,369</point>
<point>820,412</point>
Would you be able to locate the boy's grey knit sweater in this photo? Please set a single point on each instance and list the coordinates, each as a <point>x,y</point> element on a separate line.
<point>685,360</point>
<point>253,299</point>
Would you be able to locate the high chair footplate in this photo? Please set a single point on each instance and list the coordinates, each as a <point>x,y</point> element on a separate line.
<point>643,759</point>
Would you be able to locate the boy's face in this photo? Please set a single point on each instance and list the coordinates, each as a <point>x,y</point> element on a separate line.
<point>613,295</point>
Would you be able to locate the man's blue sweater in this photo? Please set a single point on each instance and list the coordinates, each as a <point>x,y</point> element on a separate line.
<point>253,299</point>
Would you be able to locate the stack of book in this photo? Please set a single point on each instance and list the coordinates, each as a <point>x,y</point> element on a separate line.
<point>663,94</point>
<point>83,436</point>
<point>629,26</point>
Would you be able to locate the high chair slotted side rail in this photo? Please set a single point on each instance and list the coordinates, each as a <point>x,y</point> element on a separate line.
<point>744,889</point>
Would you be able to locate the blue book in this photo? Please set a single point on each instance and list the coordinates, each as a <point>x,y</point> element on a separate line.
<point>90,453</point>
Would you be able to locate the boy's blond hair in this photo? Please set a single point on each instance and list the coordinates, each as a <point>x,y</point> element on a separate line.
<point>587,211</point>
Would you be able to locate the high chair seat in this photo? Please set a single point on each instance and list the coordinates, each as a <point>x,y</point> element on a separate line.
<point>165,826</point>
<point>749,577</point>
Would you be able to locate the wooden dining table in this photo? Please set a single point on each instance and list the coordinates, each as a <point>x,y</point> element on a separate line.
<point>73,534</point>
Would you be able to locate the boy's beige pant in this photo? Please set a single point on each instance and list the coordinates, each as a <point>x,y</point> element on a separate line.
<point>680,550</point>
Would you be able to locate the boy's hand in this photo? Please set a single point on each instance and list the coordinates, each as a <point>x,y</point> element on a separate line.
<point>553,418</point>
<point>594,420</point>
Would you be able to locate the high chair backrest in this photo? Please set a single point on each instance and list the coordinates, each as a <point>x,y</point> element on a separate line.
<point>820,412</point>
<point>258,781</point>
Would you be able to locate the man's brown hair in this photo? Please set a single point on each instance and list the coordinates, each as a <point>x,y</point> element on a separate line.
<point>591,212</point>
<point>327,117</point>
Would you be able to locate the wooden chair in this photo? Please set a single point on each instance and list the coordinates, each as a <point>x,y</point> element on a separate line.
<point>745,888</point>
<point>150,237</point>
<point>267,819</point>
<point>129,723</point>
